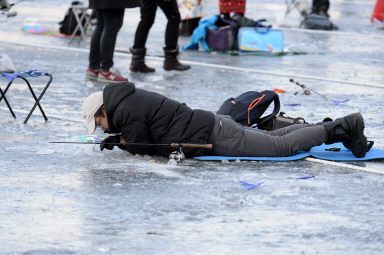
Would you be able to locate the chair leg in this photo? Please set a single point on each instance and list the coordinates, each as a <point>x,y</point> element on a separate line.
<point>6,101</point>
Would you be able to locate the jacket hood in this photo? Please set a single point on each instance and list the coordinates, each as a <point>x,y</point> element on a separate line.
<point>113,95</point>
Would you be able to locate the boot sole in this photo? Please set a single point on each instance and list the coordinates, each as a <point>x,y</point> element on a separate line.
<point>141,71</point>
<point>109,81</point>
<point>90,77</point>
<point>171,69</point>
<point>359,145</point>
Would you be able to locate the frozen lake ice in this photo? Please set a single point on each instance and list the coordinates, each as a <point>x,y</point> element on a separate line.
<point>74,199</point>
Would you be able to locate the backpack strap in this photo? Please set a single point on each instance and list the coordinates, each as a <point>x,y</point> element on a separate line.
<point>276,110</point>
<point>252,105</point>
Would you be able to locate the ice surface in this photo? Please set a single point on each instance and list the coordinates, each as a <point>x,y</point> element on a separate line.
<point>75,199</point>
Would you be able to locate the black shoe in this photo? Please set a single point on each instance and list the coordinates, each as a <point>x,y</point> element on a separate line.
<point>348,144</point>
<point>350,131</point>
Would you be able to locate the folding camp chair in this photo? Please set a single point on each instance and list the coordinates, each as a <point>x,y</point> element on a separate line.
<point>302,6</point>
<point>82,19</point>
<point>24,76</point>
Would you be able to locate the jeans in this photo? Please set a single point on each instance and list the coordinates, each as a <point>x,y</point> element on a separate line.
<point>104,37</point>
<point>148,14</point>
<point>232,139</point>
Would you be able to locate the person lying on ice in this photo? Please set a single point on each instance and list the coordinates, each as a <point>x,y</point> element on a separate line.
<point>142,116</point>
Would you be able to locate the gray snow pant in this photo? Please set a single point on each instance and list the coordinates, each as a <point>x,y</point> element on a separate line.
<point>230,138</point>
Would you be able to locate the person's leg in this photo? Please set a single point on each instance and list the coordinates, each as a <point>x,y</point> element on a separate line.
<point>94,52</point>
<point>113,20</point>
<point>320,7</point>
<point>148,14</point>
<point>171,49</point>
<point>172,13</point>
<point>324,8</point>
<point>282,131</point>
<point>232,139</point>
<point>316,6</point>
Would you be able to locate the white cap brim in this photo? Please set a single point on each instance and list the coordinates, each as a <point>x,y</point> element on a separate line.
<point>90,107</point>
<point>91,125</point>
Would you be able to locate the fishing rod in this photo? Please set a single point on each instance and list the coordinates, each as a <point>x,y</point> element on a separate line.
<point>306,89</point>
<point>172,145</point>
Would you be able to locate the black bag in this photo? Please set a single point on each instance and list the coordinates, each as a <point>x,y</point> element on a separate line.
<point>69,23</point>
<point>248,108</point>
<point>317,22</point>
<point>224,38</point>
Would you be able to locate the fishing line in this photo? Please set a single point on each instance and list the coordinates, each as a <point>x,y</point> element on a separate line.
<point>172,145</point>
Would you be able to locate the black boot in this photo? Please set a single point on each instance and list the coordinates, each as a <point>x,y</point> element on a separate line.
<point>350,131</point>
<point>171,62</point>
<point>138,62</point>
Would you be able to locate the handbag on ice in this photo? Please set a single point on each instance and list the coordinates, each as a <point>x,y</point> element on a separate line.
<point>224,37</point>
<point>257,39</point>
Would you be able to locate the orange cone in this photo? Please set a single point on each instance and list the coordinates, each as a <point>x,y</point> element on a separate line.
<point>378,12</point>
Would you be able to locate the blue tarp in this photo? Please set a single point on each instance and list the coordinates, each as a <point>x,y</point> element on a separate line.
<point>199,33</point>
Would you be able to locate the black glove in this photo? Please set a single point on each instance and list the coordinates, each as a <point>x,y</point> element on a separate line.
<point>110,142</point>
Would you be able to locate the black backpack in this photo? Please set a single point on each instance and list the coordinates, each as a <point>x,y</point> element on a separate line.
<point>248,108</point>
<point>69,23</point>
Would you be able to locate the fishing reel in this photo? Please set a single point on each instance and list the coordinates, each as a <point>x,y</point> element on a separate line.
<point>306,91</point>
<point>177,155</point>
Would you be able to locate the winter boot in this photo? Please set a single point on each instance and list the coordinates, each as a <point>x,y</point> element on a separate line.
<point>171,62</point>
<point>347,143</point>
<point>138,62</point>
<point>350,131</point>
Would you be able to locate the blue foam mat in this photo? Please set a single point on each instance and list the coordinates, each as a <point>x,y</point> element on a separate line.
<point>299,155</point>
<point>317,152</point>
<point>344,154</point>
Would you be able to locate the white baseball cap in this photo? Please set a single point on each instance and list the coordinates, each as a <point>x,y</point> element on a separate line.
<point>90,107</point>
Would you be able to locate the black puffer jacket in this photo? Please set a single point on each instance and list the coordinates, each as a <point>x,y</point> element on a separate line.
<point>113,4</point>
<point>148,117</point>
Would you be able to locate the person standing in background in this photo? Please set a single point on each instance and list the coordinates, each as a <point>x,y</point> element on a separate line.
<point>228,6</point>
<point>110,15</point>
<point>171,49</point>
<point>320,7</point>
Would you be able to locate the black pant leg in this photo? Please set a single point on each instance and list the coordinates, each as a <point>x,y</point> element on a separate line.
<point>320,6</point>
<point>148,14</point>
<point>172,13</point>
<point>113,20</point>
<point>94,52</point>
